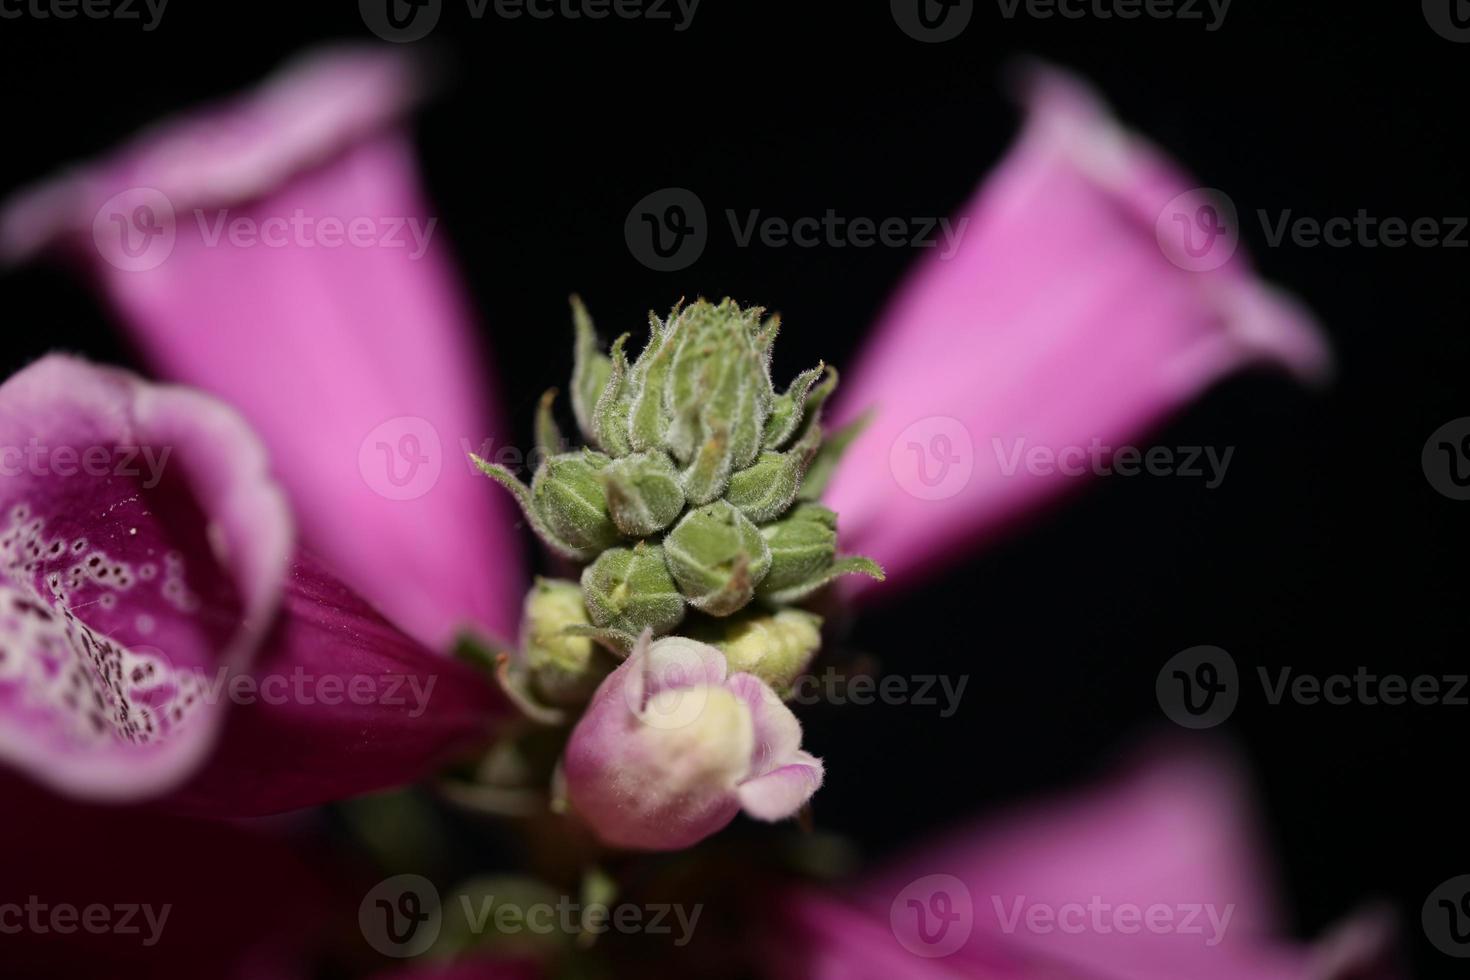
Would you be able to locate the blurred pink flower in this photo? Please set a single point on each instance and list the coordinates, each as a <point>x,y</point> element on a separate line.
<point>1155,876</point>
<point>355,365</point>
<point>333,319</point>
<point>1075,315</point>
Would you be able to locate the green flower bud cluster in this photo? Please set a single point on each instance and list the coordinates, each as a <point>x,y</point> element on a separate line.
<point>685,496</point>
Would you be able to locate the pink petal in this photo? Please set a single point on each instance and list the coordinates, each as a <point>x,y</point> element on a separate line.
<point>1175,833</point>
<point>1177,829</point>
<point>783,777</point>
<point>781,792</point>
<point>339,703</point>
<point>129,575</point>
<point>1059,320</point>
<point>777,732</point>
<point>357,364</point>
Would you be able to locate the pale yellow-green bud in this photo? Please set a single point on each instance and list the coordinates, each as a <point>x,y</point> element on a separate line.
<point>564,670</point>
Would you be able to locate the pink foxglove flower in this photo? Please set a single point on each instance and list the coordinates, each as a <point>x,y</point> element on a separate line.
<point>1157,876</point>
<point>673,746</point>
<point>137,519</point>
<point>1094,292</point>
<point>278,252</point>
<point>151,582</point>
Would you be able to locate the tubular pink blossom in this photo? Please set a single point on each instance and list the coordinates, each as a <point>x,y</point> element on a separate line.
<point>277,251</point>
<point>153,619</point>
<point>673,746</point>
<point>1156,876</point>
<point>144,546</point>
<point>1072,317</point>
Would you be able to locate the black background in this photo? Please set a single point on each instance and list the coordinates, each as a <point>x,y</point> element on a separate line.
<point>1324,549</point>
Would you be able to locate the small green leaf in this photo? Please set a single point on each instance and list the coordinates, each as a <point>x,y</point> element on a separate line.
<point>548,434</point>
<point>788,409</point>
<point>590,370</point>
<point>610,416</point>
<point>522,494</point>
<point>853,565</point>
